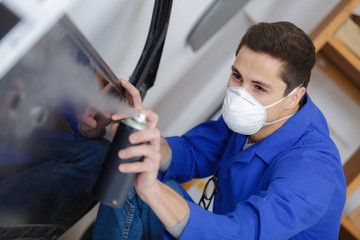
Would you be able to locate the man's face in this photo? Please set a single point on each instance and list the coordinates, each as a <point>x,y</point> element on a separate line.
<point>258,73</point>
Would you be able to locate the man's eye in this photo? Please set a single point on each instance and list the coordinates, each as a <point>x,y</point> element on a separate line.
<point>258,87</point>
<point>237,76</point>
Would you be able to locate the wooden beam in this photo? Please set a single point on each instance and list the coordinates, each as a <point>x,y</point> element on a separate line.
<point>350,227</point>
<point>352,167</point>
<point>327,28</point>
<point>337,75</point>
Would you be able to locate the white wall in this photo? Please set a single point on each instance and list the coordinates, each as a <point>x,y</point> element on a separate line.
<point>116,28</point>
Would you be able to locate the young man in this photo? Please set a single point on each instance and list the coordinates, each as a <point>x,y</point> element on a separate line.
<point>278,174</point>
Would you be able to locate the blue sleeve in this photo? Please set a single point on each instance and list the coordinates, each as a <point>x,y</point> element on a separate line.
<point>197,153</point>
<point>296,198</point>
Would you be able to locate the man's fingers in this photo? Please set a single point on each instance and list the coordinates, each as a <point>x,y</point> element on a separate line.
<point>108,88</point>
<point>151,118</point>
<point>114,127</point>
<point>105,113</point>
<point>89,121</point>
<point>149,135</point>
<point>146,149</point>
<point>119,116</point>
<point>134,94</point>
<point>141,166</point>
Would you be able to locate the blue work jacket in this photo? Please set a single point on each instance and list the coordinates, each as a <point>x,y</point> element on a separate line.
<point>289,185</point>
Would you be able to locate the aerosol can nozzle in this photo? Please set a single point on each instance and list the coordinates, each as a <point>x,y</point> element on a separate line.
<point>140,118</point>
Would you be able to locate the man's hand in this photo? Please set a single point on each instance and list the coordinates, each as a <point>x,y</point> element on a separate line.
<point>150,151</point>
<point>148,169</point>
<point>155,151</point>
<point>93,121</point>
<point>132,98</point>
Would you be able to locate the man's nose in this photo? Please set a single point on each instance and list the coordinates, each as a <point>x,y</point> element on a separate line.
<point>246,86</point>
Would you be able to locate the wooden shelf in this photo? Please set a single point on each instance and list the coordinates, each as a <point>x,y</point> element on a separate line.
<point>329,68</point>
<point>352,170</point>
<point>342,66</point>
<point>332,22</point>
<point>350,227</point>
<point>345,53</point>
<point>352,175</point>
<point>344,59</point>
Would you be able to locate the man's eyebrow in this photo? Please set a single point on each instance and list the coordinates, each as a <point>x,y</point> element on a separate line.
<point>233,68</point>
<point>262,84</point>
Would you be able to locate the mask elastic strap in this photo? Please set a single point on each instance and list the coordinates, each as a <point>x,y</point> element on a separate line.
<point>269,123</point>
<point>273,104</point>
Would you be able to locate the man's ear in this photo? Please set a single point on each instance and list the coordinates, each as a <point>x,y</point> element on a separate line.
<point>296,97</point>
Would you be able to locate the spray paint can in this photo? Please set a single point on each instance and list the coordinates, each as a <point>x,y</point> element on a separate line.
<point>113,186</point>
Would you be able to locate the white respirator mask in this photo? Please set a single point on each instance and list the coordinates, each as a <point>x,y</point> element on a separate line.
<point>243,114</point>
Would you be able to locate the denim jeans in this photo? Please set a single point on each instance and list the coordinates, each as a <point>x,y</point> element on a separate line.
<point>57,190</point>
<point>134,221</point>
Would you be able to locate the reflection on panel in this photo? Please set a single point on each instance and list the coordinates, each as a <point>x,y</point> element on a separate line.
<point>47,168</point>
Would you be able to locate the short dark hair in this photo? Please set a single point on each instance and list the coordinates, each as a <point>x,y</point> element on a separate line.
<point>289,44</point>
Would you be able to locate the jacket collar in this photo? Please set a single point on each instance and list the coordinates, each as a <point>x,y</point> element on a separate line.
<point>287,135</point>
